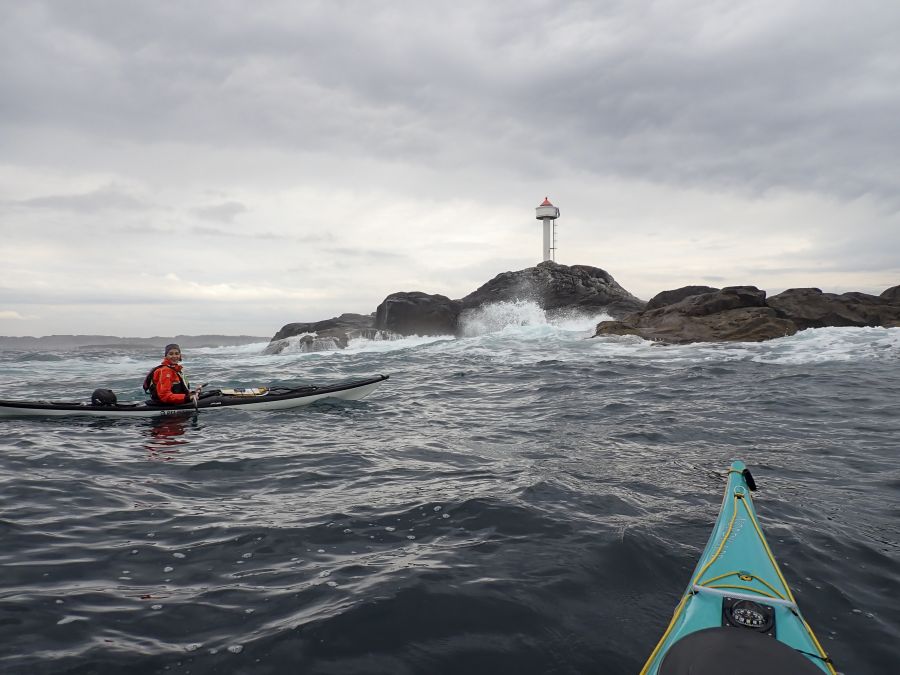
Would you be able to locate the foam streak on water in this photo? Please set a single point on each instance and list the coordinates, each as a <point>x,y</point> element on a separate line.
<point>524,499</point>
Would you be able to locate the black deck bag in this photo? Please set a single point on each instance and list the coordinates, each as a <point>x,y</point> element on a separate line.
<point>103,397</point>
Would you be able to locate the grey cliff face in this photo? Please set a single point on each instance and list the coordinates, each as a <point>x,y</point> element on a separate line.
<point>742,313</point>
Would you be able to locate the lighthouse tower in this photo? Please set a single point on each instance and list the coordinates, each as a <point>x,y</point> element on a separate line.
<point>548,214</point>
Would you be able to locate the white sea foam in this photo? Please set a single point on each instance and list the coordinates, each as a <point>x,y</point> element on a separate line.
<point>516,333</point>
<point>815,345</point>
<point>502,317</point>
<point>250,348</point>
<point>305,343</point>
<point>522,332</point>
<point>361,345</point>
<point>820,345</point>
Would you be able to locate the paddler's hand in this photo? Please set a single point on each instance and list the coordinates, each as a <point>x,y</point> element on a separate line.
<point>195,396</point>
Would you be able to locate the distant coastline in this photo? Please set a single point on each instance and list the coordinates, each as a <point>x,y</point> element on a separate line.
<point>55,342</point>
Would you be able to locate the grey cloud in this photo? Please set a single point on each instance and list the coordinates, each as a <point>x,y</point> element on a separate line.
<point>373,255</point>
<point>146,229</point>
<point>209,231</point>
<point>106,198</point>
<point>75,295</point>
<point>205,230</point>
<point>224,212</point>
<point>734,96</point>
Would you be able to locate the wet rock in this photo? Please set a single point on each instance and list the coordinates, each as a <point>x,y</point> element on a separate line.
<point>811,308</point>
<point>733,314</point>
<point>417,313</point>
<point>677,295</point>
<point>892,295</point>
<point>557,287</point>
<point>743,313</point>
<point>326,335</point>
<point>554,287</point>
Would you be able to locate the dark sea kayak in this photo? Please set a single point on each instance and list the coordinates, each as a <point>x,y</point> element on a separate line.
<point>738,615</point>
<point>255,398</point>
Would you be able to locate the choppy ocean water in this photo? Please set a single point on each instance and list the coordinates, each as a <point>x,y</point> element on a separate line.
<point>520,500</point>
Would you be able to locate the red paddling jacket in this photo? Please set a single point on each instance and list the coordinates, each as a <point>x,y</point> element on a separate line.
<point>167,384</point>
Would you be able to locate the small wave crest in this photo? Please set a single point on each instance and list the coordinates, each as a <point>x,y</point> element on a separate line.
<point>303,343</point>
<point>247,348</point>
<point>374,341</point>
<point>841,344</point>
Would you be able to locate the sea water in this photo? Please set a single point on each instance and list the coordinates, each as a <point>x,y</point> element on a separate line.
<point>523,499</point>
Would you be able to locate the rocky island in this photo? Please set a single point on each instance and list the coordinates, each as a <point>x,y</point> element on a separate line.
<point>744,314</point>
<point>683,315</point>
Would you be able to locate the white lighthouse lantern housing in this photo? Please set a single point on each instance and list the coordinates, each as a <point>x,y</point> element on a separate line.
<point>547,213</point>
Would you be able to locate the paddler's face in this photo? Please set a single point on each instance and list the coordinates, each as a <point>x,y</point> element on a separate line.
<point>174,355</point>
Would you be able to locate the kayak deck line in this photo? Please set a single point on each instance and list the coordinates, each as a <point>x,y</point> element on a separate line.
<point>740,498</point>
<point>737,588</point>
<point>716,590</point>
<point>743,576</point>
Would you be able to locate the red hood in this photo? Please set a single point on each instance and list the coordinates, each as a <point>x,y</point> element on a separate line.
<point>176,366</point>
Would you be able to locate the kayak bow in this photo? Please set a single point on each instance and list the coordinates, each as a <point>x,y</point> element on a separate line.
<point>256,398</point>
<point>738,608</point>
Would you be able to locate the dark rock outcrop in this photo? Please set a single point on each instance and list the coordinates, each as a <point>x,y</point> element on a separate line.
<point>417,314</point>
<point>553,286</point>
<point>682,315</point>
<point>679,294</point>
<point>324,335</point>
<point>811,308</point>
<point>742,313</point>
<point>736,313</point>
<point>557,287</point>
<point>892,295</point>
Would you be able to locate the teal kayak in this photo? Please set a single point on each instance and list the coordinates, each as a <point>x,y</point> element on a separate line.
<point>738,614</point>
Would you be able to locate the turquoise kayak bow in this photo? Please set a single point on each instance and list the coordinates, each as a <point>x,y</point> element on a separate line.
<point>738,614</point>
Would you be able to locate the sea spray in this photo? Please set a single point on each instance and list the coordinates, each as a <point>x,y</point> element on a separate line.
<point>498,316</point>
<point>503,316</point>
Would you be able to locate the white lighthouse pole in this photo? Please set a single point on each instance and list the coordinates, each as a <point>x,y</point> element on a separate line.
<point>548,238</point>
<point>548,213</point>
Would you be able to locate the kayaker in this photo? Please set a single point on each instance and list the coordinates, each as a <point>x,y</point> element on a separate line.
<point>167,383</point>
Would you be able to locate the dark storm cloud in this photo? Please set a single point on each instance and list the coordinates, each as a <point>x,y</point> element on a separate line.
<point>721,95</point>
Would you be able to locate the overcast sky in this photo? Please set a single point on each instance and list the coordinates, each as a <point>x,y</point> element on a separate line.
<point>229,167</point>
